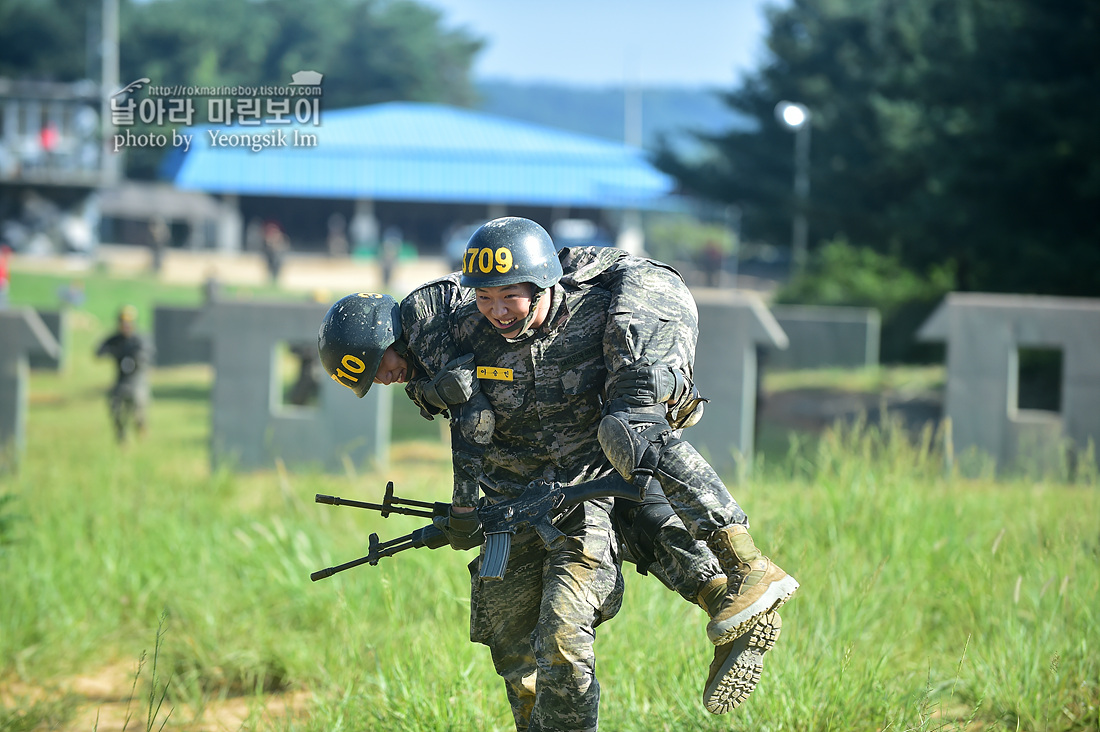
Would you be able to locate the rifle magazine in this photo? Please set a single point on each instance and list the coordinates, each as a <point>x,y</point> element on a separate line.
<point>494,559</point>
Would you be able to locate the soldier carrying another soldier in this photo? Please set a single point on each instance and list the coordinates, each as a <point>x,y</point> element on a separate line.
<point>563,339</point>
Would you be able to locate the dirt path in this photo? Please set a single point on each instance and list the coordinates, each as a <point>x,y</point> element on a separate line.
<point>107,701</point>
<point>302,272</point>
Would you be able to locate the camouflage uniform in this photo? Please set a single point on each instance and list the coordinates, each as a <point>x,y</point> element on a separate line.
<point>607,312</point>
<point>653,320</point>
<point>428,340</point>
<point>652,330</point>
<point>540,623</point>
<point>129,396</point>
<point>546,419</point>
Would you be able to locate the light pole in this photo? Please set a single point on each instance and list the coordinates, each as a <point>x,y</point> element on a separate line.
<point>733,223</point>
<point>796,117</point>
<point>108,85</point>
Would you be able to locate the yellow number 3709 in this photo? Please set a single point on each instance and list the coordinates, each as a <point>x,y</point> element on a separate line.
<point>485,261</point>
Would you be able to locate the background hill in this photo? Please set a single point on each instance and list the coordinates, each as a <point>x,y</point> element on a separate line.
<point>601,111</point>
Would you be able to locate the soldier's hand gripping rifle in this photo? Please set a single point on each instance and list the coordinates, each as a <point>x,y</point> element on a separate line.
<point>534,509</point>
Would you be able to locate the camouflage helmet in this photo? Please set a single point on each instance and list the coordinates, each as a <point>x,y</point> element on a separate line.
<point>354,334</point>
<point>508,251</point>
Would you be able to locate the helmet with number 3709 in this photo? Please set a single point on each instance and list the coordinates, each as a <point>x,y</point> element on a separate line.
<point>354,334</point>
<point>508,251</point>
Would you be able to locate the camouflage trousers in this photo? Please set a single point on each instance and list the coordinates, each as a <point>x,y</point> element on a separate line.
<point>683,564</point>
<point>697,494</point>
<point>539,621</point>
<point>655,321</point>
<point>127,405</point>
<point>670,554</point>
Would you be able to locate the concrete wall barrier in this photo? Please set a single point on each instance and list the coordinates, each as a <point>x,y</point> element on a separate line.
<point>827,337</point>
<point>175,342</point>
<point>251,427</point>
<point>732,326</point>
<point>984,334</point>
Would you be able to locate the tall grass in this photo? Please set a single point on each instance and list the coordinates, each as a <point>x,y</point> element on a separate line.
<point>929,600</point>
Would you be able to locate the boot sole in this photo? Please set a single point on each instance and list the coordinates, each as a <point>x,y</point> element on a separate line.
<point>741,672</point>
<point>736,625</point>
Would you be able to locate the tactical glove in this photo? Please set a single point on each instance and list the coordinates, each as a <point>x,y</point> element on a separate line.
<point>649,385</point>
<point>463,530</point>
<point>455,384</point>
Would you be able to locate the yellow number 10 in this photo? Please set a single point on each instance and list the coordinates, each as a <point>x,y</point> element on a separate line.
<point>352,364</point>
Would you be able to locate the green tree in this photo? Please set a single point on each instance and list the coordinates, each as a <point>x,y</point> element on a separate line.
<point>959,130</point>
<point>46,40</point>
<point>841,274</point>
<point>369,51</point>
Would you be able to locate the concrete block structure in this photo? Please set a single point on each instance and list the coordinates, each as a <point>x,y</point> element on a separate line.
<point>985,334</point>
<point>732,325</point>
<point>251,427</point>
<point>57,322</point>
<point>22,332</point>
<point>827,337</point>
<point>176,344</point>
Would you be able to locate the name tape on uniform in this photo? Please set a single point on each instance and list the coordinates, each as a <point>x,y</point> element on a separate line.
<point>494,372</point>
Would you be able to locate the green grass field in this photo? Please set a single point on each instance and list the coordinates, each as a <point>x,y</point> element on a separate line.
<point>928,601</point>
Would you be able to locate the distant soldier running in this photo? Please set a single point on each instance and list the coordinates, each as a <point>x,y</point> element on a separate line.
<point>129,397</point>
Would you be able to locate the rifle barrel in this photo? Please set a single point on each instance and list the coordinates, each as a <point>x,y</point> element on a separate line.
<point>324,573</point>
<point>338,501</point>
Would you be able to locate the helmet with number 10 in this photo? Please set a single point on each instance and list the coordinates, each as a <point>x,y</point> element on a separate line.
<point>508,251</point>
<point>354,334</point>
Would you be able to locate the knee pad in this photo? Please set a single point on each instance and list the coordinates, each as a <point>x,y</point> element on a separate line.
<point>634,447</point>
<point>623,446</point>
<point>639,522</point>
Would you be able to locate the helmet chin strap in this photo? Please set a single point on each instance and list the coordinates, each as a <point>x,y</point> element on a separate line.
<point>525,325</point>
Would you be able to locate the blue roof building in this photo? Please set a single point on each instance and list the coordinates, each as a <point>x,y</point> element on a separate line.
<point>423,167</point>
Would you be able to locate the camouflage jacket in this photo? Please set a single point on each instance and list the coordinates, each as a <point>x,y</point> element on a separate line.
<point>547,414</point>
<point>133,355</point>
<point>427,332</point>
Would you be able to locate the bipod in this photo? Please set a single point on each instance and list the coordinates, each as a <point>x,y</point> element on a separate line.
<point>390,504</point>
<point>428,536</point>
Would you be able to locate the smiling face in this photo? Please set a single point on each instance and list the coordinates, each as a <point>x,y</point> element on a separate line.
<point>506,307</point>
<point>392,369</point>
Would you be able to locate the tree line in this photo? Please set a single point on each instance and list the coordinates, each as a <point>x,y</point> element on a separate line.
<point>958,134</point>
<point>369,51</point>
<point>948,136</point>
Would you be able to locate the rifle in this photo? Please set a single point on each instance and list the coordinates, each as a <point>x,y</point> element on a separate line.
<point>533,509</point>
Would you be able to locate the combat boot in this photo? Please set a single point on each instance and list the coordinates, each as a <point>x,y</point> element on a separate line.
<point>756,584</point>
<point>737,665</point>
